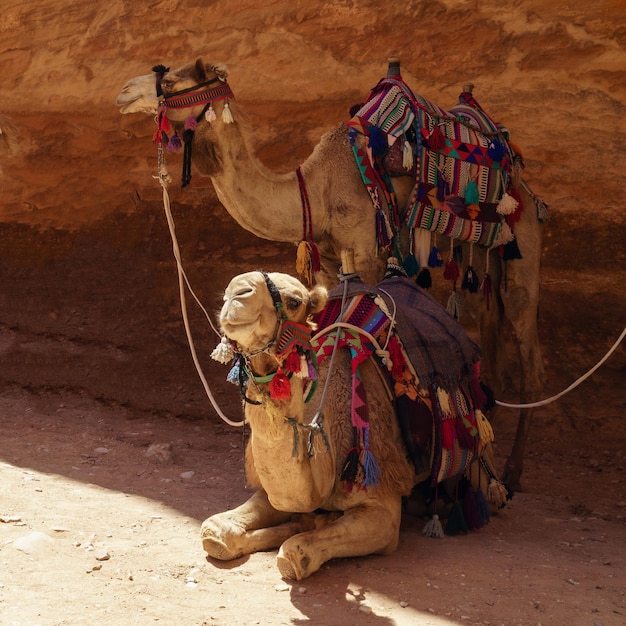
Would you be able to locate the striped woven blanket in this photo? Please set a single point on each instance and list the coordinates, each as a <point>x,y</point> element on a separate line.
<point>461,159</point>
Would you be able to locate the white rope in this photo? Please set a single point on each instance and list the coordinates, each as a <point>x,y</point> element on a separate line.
<point>182,281</point>
<point>575,384</point>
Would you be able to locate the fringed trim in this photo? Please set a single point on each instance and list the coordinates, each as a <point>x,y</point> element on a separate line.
<point>227,115</point>
<point>455,305</point>
<point>497,493</point>
<point>360,469</point>
<point>307,260</point>
<point>485,431</point>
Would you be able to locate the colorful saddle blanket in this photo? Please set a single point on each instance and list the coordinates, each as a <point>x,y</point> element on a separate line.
<point>432,365</point>
<point>461,160</point>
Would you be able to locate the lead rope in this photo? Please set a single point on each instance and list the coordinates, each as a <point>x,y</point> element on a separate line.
<point>164,178</point>
<point>575,384</point>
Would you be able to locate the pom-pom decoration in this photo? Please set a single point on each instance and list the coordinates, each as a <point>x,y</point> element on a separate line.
<point>223,352</point>
<point>280,386</point>
<point>507,205</point>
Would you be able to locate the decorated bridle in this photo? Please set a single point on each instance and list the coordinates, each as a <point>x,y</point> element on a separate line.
<point>200,94</point>
<point>290,345</point>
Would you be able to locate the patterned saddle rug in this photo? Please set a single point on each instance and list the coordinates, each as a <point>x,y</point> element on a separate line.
<point>433,370</point>
<point>461,160</point>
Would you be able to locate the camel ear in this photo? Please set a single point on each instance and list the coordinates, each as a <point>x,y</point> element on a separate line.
<point>200,71</point>
<point>221,71</point>
<point>318,298</point>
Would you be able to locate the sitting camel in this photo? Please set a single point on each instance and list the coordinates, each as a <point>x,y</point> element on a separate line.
<point>326,198</point>
<point>316,500</point>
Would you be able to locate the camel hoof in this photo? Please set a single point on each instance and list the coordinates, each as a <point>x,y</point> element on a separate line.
<point>286,568</point>
<point>217,549</point>
<point>293,562</point>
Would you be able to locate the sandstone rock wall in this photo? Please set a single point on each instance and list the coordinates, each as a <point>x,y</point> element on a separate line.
<point>553,72</point>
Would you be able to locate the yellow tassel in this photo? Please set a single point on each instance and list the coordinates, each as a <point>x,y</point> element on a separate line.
<point>304,262</point>
<point>496,493</point>
<point>485,430</point>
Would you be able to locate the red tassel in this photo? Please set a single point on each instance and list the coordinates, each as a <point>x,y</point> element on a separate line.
<point>436,139</point>
<point>448,431</point>
<point>451,270</point>
<point>280,387</point>
<point>292,362</point>
<point>397,358</point>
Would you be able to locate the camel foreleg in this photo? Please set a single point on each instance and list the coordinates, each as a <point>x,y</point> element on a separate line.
<point>372,527</point>
<point>254,526</point>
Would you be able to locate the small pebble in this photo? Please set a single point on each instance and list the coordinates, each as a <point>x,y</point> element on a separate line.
<point>102,556</point>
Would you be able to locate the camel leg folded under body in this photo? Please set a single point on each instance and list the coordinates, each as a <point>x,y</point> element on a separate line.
<point>372,527</point>
<point>254,526</point>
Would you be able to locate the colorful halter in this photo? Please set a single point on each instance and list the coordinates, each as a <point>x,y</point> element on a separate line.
<point>292,350</point>
<point>197,95</point>
<point>194,96</point>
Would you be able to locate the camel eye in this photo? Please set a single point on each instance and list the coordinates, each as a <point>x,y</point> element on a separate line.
<point>293,304</point>
<point>167,84</point>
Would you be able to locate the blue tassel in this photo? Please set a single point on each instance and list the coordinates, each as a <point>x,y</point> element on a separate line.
<point>371,471</point>
<point>175,144</point>
<point>510,251</point>
<point>443,189</point>
<point>434,258</point>
<point>496,150</point>
<point>377,141</point>
<point>233,375</point>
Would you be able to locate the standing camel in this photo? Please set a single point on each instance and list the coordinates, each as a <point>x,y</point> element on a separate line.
<point>327,195</point>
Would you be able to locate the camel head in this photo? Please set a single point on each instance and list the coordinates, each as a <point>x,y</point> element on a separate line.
<point>257,305</point>
<point>139,95</point>
<point>142,94</point>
